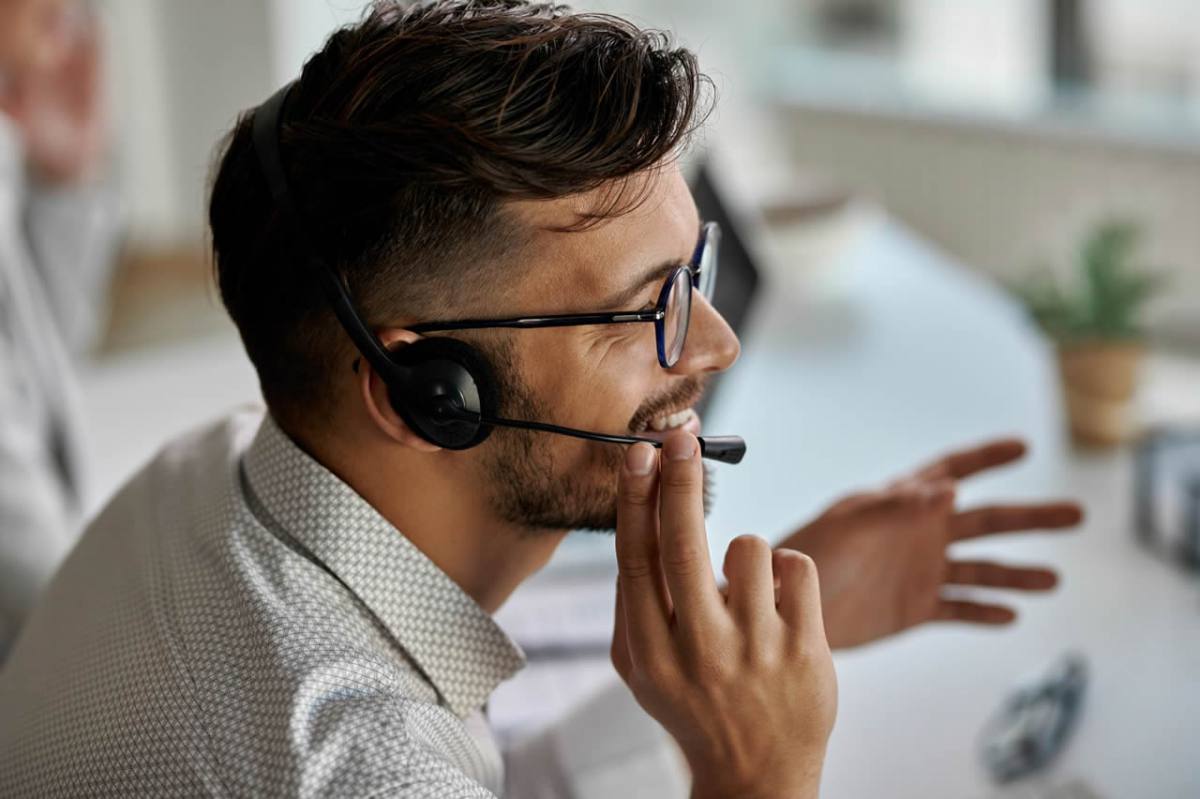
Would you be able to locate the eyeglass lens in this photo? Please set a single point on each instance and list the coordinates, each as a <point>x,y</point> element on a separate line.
<point>678,314</point>
<point>679,299</point>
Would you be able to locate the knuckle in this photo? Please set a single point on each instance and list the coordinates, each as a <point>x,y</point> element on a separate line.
<point>795,565</point>
<point>683,559</point>
<point>634,567</point>
<point>746,550</point>
<point>809,649</point>
<point>750,546</point>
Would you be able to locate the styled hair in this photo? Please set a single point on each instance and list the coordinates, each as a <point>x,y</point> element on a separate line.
<point>402,141</point>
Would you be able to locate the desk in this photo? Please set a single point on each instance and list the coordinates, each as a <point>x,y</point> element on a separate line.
<point>913,356</point>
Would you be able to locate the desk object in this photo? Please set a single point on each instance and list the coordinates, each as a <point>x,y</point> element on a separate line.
<point>1035,723</point>
<point>1167,493</point>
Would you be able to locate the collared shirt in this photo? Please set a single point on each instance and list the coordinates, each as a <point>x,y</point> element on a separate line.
<point>239,622</point>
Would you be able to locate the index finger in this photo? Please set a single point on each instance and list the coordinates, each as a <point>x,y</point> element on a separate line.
<point>683,541</point>
<point>966,462</point>
<point>641,588</point>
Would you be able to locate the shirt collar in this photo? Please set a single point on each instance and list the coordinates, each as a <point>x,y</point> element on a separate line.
<point>457,645</point>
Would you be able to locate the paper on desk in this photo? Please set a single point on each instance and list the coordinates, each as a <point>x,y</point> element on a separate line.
<point>562,616</point>
<point>564,624</point>
<point>605,747</point>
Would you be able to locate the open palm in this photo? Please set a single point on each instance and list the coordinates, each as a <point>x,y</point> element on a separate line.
<point>882,556</point>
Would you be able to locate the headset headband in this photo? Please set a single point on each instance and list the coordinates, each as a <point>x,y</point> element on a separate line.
<point>267,121</point>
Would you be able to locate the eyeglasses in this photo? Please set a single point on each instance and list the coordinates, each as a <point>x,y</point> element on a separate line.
<point>670,315</point>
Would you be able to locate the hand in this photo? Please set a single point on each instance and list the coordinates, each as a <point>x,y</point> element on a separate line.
<point>60,110</point>
<point>883,556</point>
<point>743,682</point>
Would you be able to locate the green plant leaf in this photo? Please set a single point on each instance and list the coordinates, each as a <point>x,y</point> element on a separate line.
<point>1111,295</point>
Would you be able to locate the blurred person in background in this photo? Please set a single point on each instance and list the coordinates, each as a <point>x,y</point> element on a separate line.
<point>57,231</point>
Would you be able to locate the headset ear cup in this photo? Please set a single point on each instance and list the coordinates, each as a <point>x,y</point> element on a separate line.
<point>444,371</point>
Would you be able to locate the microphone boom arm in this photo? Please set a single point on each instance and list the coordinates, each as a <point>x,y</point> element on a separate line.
<point>726,449</point>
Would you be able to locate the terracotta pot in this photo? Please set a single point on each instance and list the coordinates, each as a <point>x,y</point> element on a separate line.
<point>1099,380</point>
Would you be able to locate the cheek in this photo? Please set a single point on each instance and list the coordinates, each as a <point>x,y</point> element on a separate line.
<point>595,382</point>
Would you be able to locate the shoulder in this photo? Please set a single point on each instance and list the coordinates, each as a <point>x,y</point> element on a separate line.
<point>195,469</point>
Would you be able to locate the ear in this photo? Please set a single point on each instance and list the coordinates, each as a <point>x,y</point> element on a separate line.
<point>375,398</point>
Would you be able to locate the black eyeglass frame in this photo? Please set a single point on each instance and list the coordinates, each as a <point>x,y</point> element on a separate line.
<point>709,240</point>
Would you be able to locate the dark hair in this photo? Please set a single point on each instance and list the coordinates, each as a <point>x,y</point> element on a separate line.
<point>403,138</point>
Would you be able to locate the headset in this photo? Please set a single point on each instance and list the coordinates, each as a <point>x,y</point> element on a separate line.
<point>443,388</point>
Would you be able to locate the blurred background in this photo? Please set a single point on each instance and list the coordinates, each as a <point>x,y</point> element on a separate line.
<point>970,219</point>
<point>1001,130</point>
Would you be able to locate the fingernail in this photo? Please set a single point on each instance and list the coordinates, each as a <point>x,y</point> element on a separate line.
<point>680,447</point>
<point>639,459</point>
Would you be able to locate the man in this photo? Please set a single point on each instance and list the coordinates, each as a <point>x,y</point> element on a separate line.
<point>301,603</point>
<point>56,235</point>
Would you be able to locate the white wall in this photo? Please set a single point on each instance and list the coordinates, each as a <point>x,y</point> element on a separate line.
<point>300,27</point>
<point>1003,201</point>
<point>181,72</point>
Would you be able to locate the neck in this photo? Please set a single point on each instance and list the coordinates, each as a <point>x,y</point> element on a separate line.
<point>443,515</point>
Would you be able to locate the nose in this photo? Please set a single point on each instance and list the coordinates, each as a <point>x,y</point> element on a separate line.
<point>711,345</point>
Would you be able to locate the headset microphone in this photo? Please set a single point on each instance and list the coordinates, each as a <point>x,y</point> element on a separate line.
<point>727,449</point>
<point>442,388</point>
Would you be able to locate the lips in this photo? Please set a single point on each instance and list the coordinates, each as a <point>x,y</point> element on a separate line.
<point>688,420</point>
<point>673,410</point>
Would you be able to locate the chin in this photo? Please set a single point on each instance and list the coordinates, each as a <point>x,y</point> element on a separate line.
<point>606,520</point>
<point>528,492</point>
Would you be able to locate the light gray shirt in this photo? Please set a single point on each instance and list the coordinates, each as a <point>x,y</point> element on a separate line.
<point>56,248</point>
<point>239,622</point>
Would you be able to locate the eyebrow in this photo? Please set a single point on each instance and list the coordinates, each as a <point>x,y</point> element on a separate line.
<point>627,295</point>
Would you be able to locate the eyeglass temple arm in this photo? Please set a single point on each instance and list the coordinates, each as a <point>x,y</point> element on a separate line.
<point>553,320</point>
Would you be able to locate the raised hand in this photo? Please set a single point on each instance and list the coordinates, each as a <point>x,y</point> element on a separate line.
<point>743,682</point>
<point>883,555</point>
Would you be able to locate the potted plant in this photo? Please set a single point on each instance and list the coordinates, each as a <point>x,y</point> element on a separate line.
<point>1096,325</point>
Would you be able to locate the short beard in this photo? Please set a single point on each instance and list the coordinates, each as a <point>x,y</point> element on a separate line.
<point>526,488</point>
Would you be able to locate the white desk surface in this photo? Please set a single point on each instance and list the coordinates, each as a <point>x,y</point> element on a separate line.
<point>913,356</point>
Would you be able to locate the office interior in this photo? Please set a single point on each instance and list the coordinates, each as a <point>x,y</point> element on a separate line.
<point>899,173</point>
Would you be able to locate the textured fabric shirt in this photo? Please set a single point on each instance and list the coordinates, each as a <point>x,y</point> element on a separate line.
<point>239,622</point>
<point>56,250</point>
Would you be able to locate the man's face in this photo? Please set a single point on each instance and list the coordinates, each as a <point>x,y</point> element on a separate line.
<point>602,378</point>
